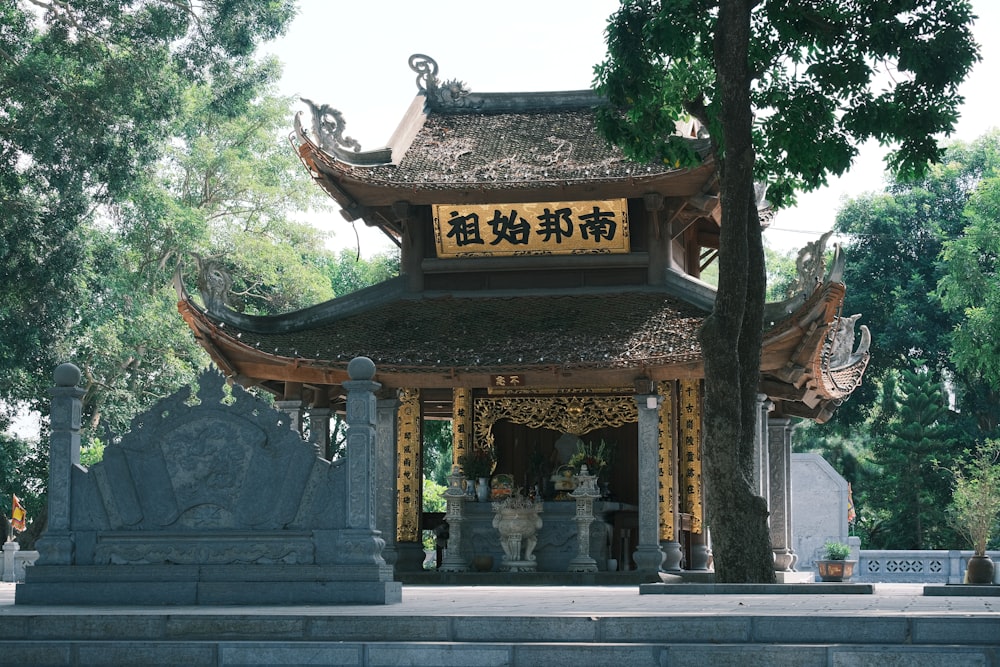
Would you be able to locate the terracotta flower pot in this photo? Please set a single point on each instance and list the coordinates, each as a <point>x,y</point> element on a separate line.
<point>835,570</point>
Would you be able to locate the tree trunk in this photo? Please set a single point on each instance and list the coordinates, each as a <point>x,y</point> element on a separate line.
<point>731,336</point>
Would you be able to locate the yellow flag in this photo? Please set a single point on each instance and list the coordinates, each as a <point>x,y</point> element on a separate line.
<point>17,516</point>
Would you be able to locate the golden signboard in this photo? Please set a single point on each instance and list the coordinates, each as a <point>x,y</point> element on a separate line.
<point>547,228</point>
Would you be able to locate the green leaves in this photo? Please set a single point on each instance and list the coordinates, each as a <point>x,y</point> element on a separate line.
<point>970,288</point>
<point>827,76</point>
<point>90,91</point>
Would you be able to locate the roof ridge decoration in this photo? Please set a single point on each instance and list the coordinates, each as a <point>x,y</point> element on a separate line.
<point>450,93</point>
<point>328,128</point>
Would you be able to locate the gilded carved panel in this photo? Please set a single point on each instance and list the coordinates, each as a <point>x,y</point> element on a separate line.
<point>568,414</point>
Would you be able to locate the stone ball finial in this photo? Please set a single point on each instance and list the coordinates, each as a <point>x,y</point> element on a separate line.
<point>67,375</point>
<point>361,368</point>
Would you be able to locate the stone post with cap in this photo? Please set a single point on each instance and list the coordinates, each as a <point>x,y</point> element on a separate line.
<point>56,546</point>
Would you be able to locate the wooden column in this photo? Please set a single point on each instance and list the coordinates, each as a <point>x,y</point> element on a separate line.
<point>412,249</point>
<point>657,239</point>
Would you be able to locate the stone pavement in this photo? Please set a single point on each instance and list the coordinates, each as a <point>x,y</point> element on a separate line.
<point>887,599</point>
<point>895,624</point>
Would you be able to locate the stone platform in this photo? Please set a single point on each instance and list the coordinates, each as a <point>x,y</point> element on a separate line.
<point>877,624</point>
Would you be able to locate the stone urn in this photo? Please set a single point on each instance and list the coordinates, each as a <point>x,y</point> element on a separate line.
<point>517,520</point>
<point>979,570</point>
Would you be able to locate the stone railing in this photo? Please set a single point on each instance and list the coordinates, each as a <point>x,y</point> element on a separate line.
<point>919,567</point>
<point>14,561</point>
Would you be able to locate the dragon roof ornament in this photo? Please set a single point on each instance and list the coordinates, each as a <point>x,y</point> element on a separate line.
<point>328,128</point>
<point>450,93</point>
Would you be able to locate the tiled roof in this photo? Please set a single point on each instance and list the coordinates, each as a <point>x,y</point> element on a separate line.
<point>518,150</point>
<point>612,330</point>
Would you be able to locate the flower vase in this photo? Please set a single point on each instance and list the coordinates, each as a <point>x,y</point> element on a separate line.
<point>483,489</point>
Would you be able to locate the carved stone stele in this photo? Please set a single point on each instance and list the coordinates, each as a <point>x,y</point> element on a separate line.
<point>211,498</point>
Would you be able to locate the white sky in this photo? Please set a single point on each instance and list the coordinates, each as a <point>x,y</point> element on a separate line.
<point>353,56</point>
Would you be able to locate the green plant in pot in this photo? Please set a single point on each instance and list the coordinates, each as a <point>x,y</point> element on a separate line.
<point>975,506</point>
<point>835,564</point>
<point>477,466</point>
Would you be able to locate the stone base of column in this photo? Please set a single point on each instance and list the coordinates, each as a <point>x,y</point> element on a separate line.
<point>672,556</point>
<point>390,555</point>
<point>55,548</point>
<point>582,564</point>
<point>784,560</point>
<point>698,557</point>
<point>10,550</point>
<point>453,562</point>
<point>647,559</point>
<point>409,557</point>
<point>518,566</point>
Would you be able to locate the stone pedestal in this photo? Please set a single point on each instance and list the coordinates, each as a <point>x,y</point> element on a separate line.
<point>585,493</point>
<point>455,499</point>
<point>672,556</point>
<point>700,555</point>
<point>518,525</point>
<point>10,550</point>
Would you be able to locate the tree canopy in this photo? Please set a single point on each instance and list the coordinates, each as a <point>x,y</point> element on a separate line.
<point>899,271</point>
<point>140,135</point>
<point>970,288</point>
<point>920,406</point>
<point>90,91</point>
<point>787,90</point>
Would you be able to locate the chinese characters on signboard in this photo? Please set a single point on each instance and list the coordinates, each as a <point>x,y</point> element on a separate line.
<point>507,380</point>
<point>553,228</point>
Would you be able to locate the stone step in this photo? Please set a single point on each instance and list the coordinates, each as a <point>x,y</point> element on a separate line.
<point>225,653</point>
<point>280,625</point>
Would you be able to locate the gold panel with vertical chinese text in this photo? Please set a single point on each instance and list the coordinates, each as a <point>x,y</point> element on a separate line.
<point>408,466</point>
<point>538,228</point>
<point>690,426</point>
<point>461,422</point>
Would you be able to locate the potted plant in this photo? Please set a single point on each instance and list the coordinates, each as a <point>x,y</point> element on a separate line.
<point>835,565</point>
<point>975,506</point>
<point>477,464</point>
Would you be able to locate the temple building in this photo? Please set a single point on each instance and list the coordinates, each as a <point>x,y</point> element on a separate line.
<point>548,304</point>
